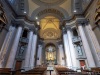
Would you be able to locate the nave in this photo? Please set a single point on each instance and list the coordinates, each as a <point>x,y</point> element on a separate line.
<point>49,37</point>
<point>50,70</point>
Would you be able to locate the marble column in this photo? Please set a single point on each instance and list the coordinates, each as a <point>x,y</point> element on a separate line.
<point>94,44</point>
<point>87,49</point>
<point>11,59</point>
<point>61,55</point>
<point>5,45</point>
<point>75,62</point>
<point>39,55</point>
<point>28,52</point>
<point>33,51</point>
<point>67,50</point>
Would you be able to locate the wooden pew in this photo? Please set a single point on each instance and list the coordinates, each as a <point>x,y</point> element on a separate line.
<point>64,71</point>
<point>67,71</point>
<point>35,71</point>
<point>5,71</point>
<point>95,70</point>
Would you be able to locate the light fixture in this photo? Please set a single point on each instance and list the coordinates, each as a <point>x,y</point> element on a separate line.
<point>75,11</point>
<point>25,12</point>
<point>38,22</point>
<point>36,18</point>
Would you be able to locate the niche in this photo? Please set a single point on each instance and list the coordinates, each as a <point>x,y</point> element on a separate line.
<point>25,33</point>
<point>75,32</point>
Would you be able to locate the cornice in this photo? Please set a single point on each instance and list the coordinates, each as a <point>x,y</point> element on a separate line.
<point>88,7</point>
<point>68,20</point>
<point>25,17</point>
<point>24,25</point>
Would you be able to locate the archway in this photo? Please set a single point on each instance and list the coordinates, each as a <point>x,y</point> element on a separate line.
<point>50,54</point>
<point>50,33</point>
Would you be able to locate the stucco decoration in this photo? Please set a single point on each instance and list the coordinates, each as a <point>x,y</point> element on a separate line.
<point>49,2</point>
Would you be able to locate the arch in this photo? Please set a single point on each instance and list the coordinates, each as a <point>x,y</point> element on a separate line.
<point>50,43</point>
<point>50,54</point>
<point>49,2</point>
<point>41,12</point>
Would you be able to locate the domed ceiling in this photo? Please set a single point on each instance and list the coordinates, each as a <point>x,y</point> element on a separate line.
<point>39,10</point>
<point>50,14</point>
<point>54,7</point>
<point>49,2</point>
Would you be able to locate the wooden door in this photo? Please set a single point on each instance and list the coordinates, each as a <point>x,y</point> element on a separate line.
<point>83,64</point>
<point>18,67</point>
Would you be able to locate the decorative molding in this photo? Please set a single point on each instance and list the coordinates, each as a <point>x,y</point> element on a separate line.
<point>2,15</point>
<point>3,18</point>
<point>26,18</point>
<point>85,12</point>
<point>49,2</point>
<point>81,21</point>
<point>23,25</point>
<point>64,30</point>
<point>50,33</point>
<point>68,27</point>
<point>97,16</point>
<point>51,10</point>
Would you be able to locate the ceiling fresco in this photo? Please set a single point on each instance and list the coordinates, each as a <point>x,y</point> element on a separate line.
<point>50,28</point>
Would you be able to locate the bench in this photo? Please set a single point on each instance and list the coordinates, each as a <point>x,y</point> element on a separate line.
<point>5,71</point>
<point>35,71</point>
<point>64,71</point>
<point>95,70</point>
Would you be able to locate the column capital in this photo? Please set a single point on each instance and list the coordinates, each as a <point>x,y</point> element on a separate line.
<point>68,27</point>
<point>60,42</point>
<point>17,24</point>
<point>82,22</point>
<point>64,31</point>
<point>40,42</point>
<point>36,31</point>
<point>31,28</point>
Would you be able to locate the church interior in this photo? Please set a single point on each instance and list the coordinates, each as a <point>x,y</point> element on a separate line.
<point>49,37</point>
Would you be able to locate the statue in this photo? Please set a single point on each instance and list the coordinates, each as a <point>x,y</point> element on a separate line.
<point>21,52</point>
